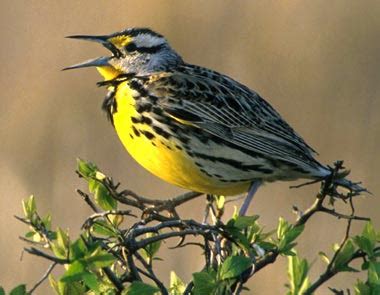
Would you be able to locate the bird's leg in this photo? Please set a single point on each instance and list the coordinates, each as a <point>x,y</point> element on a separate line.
<point>251,192</point>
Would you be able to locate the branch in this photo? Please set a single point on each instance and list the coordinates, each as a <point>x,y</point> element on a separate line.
<point>141,202</point>
<point>48,271</point>
<point>90,220</point>
<point>343,216</point>
<point>147,241</point>
<point>188,289</point>
<point>328,274</point>
<point>331,270</point>
<point>88,200</point>
<point>219,240</point>
<point>39,253</point>
<point>327,189</point>
<point>152,275</point>
<point>113,278</point>
<point>132,267</point>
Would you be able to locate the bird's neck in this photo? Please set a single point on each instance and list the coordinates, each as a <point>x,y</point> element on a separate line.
<point>108,73</point>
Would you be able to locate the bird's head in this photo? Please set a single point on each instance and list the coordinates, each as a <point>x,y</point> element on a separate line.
<point>137,50</point>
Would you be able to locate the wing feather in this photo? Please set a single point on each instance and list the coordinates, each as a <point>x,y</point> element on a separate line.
<point>229,110</point>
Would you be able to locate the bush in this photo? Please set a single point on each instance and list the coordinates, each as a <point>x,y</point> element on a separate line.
<point>109,257</point>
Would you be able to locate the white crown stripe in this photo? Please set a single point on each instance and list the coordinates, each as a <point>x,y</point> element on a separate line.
<point>147,40</point>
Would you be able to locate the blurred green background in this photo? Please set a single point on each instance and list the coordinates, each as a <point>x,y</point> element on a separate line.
<point>316,62</point>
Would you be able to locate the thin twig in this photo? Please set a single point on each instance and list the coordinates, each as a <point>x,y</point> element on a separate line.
<point>140,202</point>
<point>331,270</point>
<point>305,183</point>
<point>147,241</point>
<point>39,253</point>
<point>343,216</point>
<point>188,289</point>
<point>149,268</point>
<point>46,274</point>
<point>90,220</point>
<point>88,200</point>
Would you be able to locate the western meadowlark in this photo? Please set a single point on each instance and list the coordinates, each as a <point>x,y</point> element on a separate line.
<point>192,126</point>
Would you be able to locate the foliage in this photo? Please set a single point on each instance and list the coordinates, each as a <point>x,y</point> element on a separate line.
<point>117,252</point>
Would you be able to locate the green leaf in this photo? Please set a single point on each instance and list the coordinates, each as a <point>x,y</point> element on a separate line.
<point>74,272</point>
<point>239,237</point>
<point>100,258</point>
<point>19,290</point>
<point>234,266</point>
<point>151,249</point>
<point>62,288</point>
<point>71,288</point>
<point>104,199</point>
<point>286,234</point>
<point>102,227</point>
<point>298,269</point>
<point>242,222</point>
<point>62,238</point>
<point>344,255</point>
<point>369,232</point>
<point>204,283</point>
<point>86,169</point>
<point>324,257</point>
<point>78,249</point>
<point>140,288</point>
<point>335,247</point>
<point>53,283</point>
<point>294,232</point>
<point>93,185</point>
<point>2,292</point>
<point>30,234</point>
<point>91,281</point>
<point>282,228</point>
<point>29,207</point>
<point>362,289</point>
<point>364,244</point>
<point>266,245</point>
<point>365,265</point>
<point>367,241</point>
<point>219,201</point>
<point>374,273</point>
<point>116,219</point>
<point>177,287</point>
<point>37,237</point>
<point>47,221</point>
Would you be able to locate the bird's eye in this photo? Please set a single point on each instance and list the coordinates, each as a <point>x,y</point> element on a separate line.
<point>131,47</point>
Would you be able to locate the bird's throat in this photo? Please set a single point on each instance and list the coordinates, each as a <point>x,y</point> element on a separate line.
<point>108,73</point>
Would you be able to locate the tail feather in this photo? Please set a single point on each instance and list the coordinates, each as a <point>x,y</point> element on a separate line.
<point>355,187</point>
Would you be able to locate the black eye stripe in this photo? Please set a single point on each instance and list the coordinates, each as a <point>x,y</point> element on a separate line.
<point>152,49</point>
<point>131,47</point>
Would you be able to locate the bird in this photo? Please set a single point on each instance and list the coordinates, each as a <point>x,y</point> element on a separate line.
<point>195,127</point>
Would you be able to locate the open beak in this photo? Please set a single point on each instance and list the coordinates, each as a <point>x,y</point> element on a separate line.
<point>96,62</point>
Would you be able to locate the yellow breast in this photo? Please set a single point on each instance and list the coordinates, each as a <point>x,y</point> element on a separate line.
<point>162,157</point>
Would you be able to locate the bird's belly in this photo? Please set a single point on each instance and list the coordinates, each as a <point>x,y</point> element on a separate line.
<point>164,157</point>
<point>169,163</point>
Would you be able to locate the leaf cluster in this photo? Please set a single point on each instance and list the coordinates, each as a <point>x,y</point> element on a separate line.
<point>118,249</point>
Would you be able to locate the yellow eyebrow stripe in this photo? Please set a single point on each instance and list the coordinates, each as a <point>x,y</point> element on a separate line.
<point>120,41</point>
